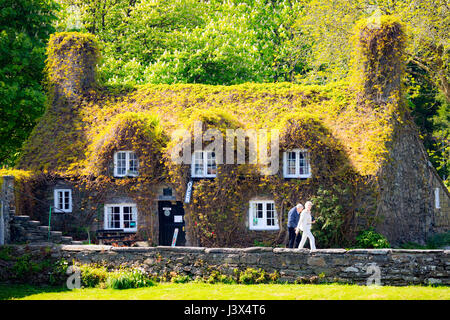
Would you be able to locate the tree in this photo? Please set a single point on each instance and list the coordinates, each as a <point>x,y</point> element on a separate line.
<point>328,26</point>
<point>192,41</point>
<point>25,27</point>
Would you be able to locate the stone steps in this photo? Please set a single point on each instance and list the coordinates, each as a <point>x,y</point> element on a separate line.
<point>28,230</point>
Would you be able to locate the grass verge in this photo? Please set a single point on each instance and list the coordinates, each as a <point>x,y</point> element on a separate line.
<point>204,291</point>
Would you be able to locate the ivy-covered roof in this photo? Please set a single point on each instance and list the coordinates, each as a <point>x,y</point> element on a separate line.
<point>69,138</point>
<point>64,138</point>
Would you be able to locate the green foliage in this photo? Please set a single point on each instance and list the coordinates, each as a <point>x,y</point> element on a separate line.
<point>127,279</point>
<point>431,113</point>
<point>308,280</point>
<point>180,279</point>
<point>371,239</point>
<point>257,243</point>
<point>5,253</point>
<point>92,275</point>
<point>25,26</point>
<point>257,276</point>
<point>436,241</point>
<point>439,240</point>
<point>217,277</point>
<point>331,216</point>
<point>412,245</point>
<point>58,274</point>
<point>27,269</point>
<point>191,41</point>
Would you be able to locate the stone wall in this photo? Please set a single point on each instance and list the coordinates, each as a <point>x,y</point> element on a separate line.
<point>397,267</point>
<point>8,207</point>
<point>406,204</point>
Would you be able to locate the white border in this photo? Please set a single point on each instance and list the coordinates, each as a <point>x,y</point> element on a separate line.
<point>105,220</point>
<point>55,200</point>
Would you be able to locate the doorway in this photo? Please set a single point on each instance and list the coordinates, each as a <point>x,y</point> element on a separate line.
<point>171,217</point>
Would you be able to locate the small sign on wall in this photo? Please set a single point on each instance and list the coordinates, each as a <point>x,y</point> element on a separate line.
<point>175,236</point>
<point>187,197</point>
<point>178,219</point>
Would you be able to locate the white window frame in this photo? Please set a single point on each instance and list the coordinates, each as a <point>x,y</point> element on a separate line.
<point>56,200</point>
<point>262,222</point>
<point>204,163</point>
<point>121,206</point>
<point>437,200</point>
<point>127,164</point>
<point>297,164</point>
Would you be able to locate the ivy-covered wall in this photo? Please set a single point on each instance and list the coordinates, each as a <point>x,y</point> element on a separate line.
<point>365,168</point>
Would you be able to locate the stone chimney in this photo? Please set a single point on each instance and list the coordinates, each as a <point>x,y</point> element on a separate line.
<point>71,64</point>
<point>378,60</point>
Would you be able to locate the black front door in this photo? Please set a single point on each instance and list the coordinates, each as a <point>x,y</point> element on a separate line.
<point>171,217</point>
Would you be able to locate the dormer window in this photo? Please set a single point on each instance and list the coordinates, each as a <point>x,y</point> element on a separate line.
<point>296,164</point>
<point>203,164</point>
<point>125,164</point>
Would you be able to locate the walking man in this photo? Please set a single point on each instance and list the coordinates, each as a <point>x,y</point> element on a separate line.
<point>293,217</point>
<point>304,224</point>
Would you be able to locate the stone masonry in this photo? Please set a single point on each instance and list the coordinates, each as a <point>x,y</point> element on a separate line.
<point>397,267</point>
<point>24,230</point>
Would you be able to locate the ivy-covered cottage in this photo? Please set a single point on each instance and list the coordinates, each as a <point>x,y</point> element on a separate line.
<point>101,157</point>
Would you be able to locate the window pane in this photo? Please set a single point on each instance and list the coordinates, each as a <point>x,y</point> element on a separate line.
<point>66,200</point>
<point>121,163</point>
<point>254,213</point>
<point>117,221</point>
<point>211,168</point>
<point>291,162</point>
<point>113,217</point>
<point>126,217</point>
<point>129,217</point>
<point>259,210</point>
<point>198,163</point>
<point>270,213</point>
<point>60,199</point>
<point>133,220</point>
<point>133,163</point>
<point>304,163</point>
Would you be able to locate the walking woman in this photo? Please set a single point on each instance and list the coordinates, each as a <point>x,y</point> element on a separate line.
<point>304,224</point>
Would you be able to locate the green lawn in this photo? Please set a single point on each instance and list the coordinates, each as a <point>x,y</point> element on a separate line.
<point>194,291</point>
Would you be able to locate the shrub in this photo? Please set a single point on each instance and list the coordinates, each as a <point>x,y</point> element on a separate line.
<point>92,276</point>
<point>330,215</point>
<point>438,240</point>
<point>181,279</point>
<point>412,245</point>
<point>127,279</point>
<point>253,276</point>
<point>5,253</point>
<point>371,239</point>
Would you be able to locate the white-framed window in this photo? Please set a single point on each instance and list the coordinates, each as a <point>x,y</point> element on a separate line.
<point>263,215</point>
<point>125,164</point>
<point>437,200</point>
<point>204,164</point>
<point>62,200</point>
<point>121,216</point>
<point>296,164</point>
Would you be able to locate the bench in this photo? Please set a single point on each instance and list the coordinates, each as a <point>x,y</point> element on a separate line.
<point>110,236</point>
